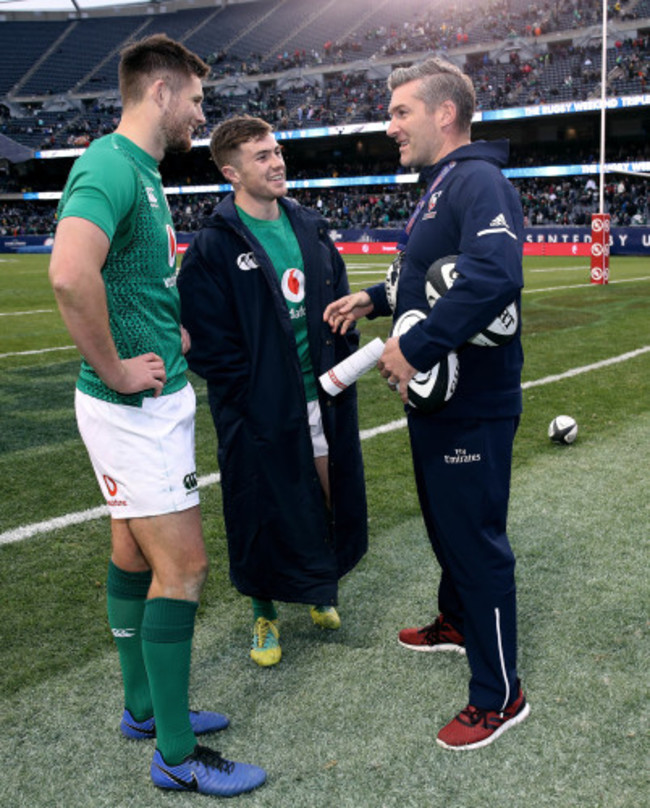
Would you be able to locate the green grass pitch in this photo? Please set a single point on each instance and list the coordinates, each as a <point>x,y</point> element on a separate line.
<point>348,719</point>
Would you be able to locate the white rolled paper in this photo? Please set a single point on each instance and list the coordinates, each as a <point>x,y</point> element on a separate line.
<point>349,370</point>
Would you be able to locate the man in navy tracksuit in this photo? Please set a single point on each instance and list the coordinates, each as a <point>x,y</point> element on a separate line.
<point>462,453</point>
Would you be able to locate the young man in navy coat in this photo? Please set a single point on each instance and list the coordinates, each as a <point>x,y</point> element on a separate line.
<point>253,286</point>
<point>461,454</point>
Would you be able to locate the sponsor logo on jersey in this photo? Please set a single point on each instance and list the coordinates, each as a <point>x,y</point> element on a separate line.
<point>498,225</point>
<point>151,196</point>
<point>297,314</point>
<point>172,246</point>
<point>293,285</point>
<point>246,261</point>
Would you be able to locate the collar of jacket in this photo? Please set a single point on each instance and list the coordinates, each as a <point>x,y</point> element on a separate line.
<point>493,151</point>
<point>227,212</point>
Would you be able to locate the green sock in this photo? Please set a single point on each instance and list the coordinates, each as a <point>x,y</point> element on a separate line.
<point>125,600</point>
<point>264,608</point>
<point>167,630</point>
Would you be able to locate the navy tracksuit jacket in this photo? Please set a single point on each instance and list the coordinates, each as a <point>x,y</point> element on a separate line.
<point>462,454</point>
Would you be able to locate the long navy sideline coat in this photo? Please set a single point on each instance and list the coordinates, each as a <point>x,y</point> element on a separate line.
<point>283,543</point>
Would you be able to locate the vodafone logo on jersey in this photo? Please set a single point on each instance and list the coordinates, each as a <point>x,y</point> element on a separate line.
<point>172,246</point>
<point>293,285</point>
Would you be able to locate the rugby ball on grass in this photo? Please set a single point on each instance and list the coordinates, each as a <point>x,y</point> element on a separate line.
<point>438,281</point>
<point>430,391</point>
<point>563,429</point>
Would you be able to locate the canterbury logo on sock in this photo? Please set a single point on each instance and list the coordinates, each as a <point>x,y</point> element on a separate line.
<point>123,633</point>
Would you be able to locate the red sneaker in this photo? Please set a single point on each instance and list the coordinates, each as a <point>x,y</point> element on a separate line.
<point>474,727</point>
<point>438,636</point>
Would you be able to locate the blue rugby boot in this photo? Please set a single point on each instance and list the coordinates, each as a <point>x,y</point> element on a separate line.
<point>206,772</point>
<point>202,721</point>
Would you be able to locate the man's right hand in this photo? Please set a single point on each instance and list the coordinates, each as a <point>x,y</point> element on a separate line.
<point>144,372</point>
<point>344,312</point>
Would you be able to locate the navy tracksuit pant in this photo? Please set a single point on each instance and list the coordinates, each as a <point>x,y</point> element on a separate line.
<point>462,471</point>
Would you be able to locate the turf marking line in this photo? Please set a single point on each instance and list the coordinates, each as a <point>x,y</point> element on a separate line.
<point>569,374</point>
<point>363,272</point>
<point>37,528</point>
<point>39,351</point>
<point>562,269</point>
<point>583,285</point>
<point>19,313</point>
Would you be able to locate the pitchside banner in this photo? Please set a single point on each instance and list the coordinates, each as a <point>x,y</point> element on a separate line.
<point>537,241</point>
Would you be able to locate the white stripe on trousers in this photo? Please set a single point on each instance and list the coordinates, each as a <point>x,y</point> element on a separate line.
<point>497,618</point>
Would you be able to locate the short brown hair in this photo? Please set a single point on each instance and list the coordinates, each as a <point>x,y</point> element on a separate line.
<point>156,56</point>
<point>231,133</point>
<point>439,81</point>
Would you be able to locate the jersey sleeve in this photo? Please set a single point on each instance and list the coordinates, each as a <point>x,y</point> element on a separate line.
<point>102,189</point>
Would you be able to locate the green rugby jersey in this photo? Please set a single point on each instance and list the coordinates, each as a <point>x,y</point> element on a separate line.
<point>281,246</point>
<point>117,186</point>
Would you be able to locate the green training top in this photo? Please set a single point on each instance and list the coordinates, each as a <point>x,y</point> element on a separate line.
<point>281,246</point>
<point>117,186</point>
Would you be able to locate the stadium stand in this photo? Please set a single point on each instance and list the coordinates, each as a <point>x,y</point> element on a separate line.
<point>76,56</point>
<point>569,201</point>
<point>304,64</point>
<point>80,55</point>
<point>23,44</point>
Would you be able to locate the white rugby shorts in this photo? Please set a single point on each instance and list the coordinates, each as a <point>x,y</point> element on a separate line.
<point>318,439</point>
<point>143,457</point>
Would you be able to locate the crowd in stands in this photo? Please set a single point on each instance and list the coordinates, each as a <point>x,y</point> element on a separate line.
<point>530,75</point>
<point>437,30</point>
<point>559,72</point>
<point>27,218</point>
<point>562,73</point>
<point>567,201</point>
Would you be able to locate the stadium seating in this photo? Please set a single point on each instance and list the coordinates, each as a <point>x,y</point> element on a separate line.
<point>80,55</point>
<point>325,64</point>
<point>21,44</point>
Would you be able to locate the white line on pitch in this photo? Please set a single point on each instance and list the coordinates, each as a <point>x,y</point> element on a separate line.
<point>583,285</point>
<point>19,313</point>
<point>27,531</point>
<point>569,374</point>
<point>39,351</point>
<point>561,269</point>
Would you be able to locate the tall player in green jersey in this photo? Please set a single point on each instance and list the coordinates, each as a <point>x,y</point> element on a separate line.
<point>113,270</point>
